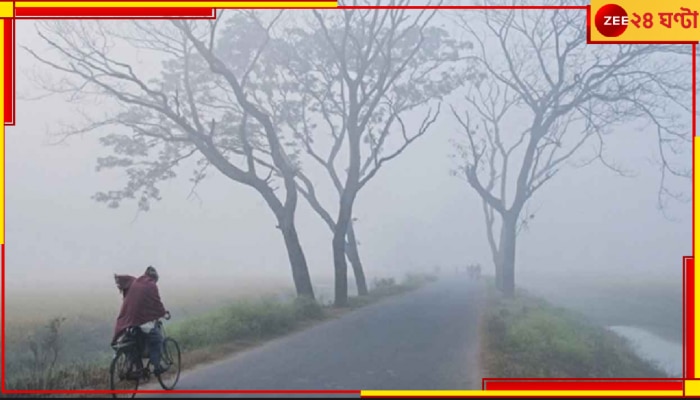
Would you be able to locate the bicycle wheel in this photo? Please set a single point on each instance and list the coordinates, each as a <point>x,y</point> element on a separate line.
<point>170,360</point>
<point>122,377</point>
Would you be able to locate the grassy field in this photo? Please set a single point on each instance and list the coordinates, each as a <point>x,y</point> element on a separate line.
<point>654,306</point>
<point>88,321</point>
<point>81,343</point>
<point>528,337</point>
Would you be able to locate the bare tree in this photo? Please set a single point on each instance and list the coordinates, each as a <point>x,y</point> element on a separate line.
<point>360,73</point>
<point>549,101</point>
<point>202,104</point>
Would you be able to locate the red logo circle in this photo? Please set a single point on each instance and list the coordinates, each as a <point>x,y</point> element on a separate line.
<point>611,20</point>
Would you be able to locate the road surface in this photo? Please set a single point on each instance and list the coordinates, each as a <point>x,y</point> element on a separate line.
<point>427,339</point>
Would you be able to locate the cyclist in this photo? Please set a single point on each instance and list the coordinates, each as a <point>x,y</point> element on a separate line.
<point>142,307</point>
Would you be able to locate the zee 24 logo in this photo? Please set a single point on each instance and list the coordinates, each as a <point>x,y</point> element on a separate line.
<point>612,20</point>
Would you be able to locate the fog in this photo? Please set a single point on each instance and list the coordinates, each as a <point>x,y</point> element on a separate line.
<point>591,224</point>
<point>595,242</point>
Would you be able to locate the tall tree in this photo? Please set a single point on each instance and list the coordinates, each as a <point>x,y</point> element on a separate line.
<point>203,103</point>
<point>548,99</point>
<point>360,73</point>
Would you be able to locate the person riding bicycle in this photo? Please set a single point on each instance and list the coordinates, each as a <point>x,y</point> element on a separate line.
<point>142,307</point>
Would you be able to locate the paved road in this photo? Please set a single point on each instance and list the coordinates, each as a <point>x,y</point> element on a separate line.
<point>424,340</point>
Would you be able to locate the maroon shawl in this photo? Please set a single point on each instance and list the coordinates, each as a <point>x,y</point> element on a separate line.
<point>141,302</point>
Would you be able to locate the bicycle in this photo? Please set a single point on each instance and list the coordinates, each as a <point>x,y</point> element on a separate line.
<point>126,369</point>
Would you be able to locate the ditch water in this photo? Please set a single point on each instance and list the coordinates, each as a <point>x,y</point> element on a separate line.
<point>666,354</point>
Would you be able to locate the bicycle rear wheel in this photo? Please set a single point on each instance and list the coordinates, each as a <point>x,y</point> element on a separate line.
<point>170,360</point>
<point>122,376</point>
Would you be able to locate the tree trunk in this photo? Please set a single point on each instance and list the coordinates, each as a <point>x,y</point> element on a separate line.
<point>341,269</point>
<point>507,255</point>
<point>498,263</point>
<point>351,250</point>
<point>347,197</point>
<point>300,270</point>
<point>354,258</point>
<point>339,248</point>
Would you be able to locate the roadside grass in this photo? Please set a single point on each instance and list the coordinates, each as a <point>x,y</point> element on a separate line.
<point>528,337</point>
<point>654,306</point>
<point>203,338</point>
<point>244,320</point>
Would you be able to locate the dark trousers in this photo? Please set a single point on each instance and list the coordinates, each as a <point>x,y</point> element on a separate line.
<point>155,346</point>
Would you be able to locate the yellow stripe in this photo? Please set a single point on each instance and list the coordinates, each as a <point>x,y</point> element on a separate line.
<point>187,4</point>
<point>692,388</point>
<point>7,9</point>
<point>509,393</point>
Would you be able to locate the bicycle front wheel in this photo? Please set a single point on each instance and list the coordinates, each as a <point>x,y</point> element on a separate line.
<point>170,360</point>
<point>122,376</point>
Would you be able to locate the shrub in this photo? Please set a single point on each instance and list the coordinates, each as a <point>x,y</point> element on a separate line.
<point>384,283</point>
<point>415,280</point>
<point>306,308</point>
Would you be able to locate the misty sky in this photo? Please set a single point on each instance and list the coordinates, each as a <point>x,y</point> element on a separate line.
<point>414,215</point>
